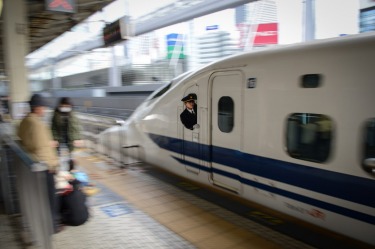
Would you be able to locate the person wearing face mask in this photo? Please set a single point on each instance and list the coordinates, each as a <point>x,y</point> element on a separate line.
<point>65,126</point>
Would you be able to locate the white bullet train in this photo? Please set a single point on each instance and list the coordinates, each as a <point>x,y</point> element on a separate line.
<point>291,128</point>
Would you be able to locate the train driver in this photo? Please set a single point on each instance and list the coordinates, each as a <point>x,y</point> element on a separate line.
<point>189,115</point>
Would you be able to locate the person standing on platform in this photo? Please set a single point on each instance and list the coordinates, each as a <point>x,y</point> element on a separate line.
<point>36,138</point>
<point>65,127</point>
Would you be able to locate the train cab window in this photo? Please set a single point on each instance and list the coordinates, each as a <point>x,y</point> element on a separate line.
<point>309,136</point>
<point>226,114</point>
<point>160,91</point>
<point>369,148</point>
<point>311,80</point>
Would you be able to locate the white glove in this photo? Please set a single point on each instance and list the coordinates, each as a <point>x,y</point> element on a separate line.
<point>196,126</point>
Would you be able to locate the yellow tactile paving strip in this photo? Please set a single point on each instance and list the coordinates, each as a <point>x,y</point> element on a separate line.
<point>203,229</point>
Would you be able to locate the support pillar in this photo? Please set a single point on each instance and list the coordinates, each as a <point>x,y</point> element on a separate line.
<point>309,20</point>
<point>15,42</point>
<point>55,79</point>
<point>114,72</point>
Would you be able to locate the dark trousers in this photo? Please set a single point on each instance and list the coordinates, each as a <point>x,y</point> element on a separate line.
<point>53,200</point>
<point>59,150</point>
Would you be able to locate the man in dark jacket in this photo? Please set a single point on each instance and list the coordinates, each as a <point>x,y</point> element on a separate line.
<point>189,115</point>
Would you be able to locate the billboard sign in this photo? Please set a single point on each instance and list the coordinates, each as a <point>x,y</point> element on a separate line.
<point>212,27</point>
<point>68,6</point>
<point>266,34</point>
<point>175,46</point>
<point>258,34</point>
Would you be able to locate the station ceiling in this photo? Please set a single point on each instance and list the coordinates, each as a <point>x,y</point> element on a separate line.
<point>45,25</point>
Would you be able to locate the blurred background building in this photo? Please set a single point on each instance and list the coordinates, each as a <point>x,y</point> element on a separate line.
<point>80,60</point>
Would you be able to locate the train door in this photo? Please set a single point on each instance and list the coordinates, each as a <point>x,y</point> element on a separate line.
<point>226,127</point>
<point>190,138</point>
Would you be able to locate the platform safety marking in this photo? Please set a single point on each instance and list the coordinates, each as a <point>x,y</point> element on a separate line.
<point>117,209</point>
<point>94,159</point>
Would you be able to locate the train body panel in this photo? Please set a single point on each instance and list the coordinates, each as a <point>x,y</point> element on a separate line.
<point>288,128</point>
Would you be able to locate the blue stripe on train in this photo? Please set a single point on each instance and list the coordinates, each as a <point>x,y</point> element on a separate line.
<point>301,198</point>
<point>355,189</point>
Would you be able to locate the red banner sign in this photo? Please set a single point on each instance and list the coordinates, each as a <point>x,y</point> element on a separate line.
<point>258,34</point>
<point>68,6</point>
<point>267,33</point>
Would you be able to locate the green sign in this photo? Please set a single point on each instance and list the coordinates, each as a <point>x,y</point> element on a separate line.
<point>175,46</point>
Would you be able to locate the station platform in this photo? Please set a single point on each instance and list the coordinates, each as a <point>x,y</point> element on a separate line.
<point>143,207</point>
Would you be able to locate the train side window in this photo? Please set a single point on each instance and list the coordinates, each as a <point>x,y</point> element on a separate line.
<point>226,114</point>
<point>311,80</point>
<point>309,136</point>
<point>369,146</point>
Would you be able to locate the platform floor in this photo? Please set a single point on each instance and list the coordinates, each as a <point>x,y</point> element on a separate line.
<point>135,209</point>
<point>142,207</point>
<point>8,233</point>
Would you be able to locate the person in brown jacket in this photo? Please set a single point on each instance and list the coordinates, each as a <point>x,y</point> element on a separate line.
<point>36,138</point>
